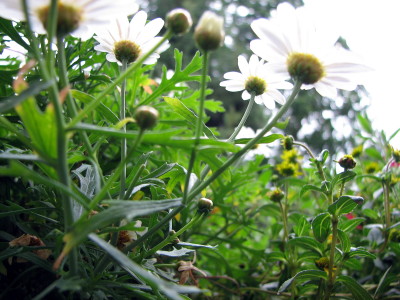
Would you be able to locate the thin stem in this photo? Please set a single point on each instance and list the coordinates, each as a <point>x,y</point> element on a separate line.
<point>92,105</point>
<point>249,145</point>
<point>199,124</point>
<point>171,237</point>
<point>134,181</point>
<point>331,271</point>
<point>244,118</point>
<point>319,167</point>
<point>123,140</point>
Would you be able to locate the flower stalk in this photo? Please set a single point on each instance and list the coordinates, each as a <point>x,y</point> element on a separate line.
<point>123,140</point>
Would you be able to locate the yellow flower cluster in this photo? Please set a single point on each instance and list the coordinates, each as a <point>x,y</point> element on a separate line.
<point>290,163</point>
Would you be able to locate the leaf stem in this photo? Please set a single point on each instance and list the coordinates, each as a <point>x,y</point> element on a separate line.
<point>331,271</point>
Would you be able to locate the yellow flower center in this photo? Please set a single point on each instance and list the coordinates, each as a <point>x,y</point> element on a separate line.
<point>126,51</point>
<point>255,85</point>
<point>305,67</point>
<point>68,17</point>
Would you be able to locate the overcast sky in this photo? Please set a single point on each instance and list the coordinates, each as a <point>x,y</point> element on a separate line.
<point>371,29</point>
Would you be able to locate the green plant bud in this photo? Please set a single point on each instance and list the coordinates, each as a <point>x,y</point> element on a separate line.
<point>396,155</point>
<point>209,33</point>
<point>179,21</point>
<point>176,240</point>
<point>357,151</point>
<point>322,263</point>
<point>276,195</point>
<point>146,117</point>
<point>287,142</point>
<point>347,162</point>
<point>204,206</point>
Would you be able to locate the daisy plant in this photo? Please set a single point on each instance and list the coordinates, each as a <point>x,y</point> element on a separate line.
<point>125,42</point>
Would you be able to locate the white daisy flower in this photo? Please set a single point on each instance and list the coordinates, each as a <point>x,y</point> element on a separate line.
<point>293,44</point>
<point>78,17</point>
<point>255,77</point>
<point>128,41</point>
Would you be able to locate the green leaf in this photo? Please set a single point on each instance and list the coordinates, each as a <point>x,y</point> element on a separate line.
<point>321,226</point>
<point>384,282</point>
<point>374,153</point>
<point>310,187</point>
<point>7,27</point>
<point>157,284</point>
<point>365,123</point>
<point>117,210</point>
<point>187,114</point>
<point>180,75</point>
<point>350,225</point>
<point>344,205</point>
<point>302,226</point>
<point>103,110</point>
<point>370,213</point>
<point>307,243</point>
<point>323,156</point>
<point>303,276</point>
<point>343,177</point>
<point>359,293</point>
<point>175,252</point>
<point>344,241</point>
<point>360,252</point>
<point>264,140</point>
<point>276,256</point>
<point>32,90</point>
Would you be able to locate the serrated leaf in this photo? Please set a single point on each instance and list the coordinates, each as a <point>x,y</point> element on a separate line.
<point>175,252</point>
<point>307,243</point>
<point>321,226</point>
<point>180,75</point>
<point>344,239</point>
<point>344,205</point>
<point>7,27</point>
<point>302,276</point>
<point>169,289</point>
<point>358,292</point>
<point>187,114</point>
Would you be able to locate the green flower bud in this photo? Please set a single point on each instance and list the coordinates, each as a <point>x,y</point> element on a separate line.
<point>276,195</point>
<point>204,206</point>
<point>396,155</point>
<point>322,263</point>
<point>146,117</point>
<point>287,142</point>
<point>209,33</point>
<point>347,162</point>
<point>179,21</point>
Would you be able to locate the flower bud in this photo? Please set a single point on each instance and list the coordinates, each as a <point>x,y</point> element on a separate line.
<point>146,117</point>
<point>175,240</point>
<point>322,263</point>
<point>276,195</point>
<point>347,162</point>
<point>179,21</point>
<point>396,155</point>
<point>204,206</point>
<point>287,142</point>
<point>209,33</point>
<point>357,151</point>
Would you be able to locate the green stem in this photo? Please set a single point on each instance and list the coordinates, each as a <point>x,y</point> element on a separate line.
<point>199,124</point>
<point>134,181</point>
<point>92,105</point>
<point>62,163</point>
<point>171,237</point>
<point>331,271</point>
<point>123,140</point>
<point>249,145</point>
<point>215,175</point>
<point>244,118</point>
<point>318,164</point>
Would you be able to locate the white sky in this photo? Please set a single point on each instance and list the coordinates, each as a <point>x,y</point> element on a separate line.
<point>372,29</point>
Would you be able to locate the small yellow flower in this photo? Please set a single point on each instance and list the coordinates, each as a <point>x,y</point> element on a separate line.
<point>357,151</point>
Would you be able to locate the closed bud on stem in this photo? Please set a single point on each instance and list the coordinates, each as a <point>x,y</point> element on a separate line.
<point>146,117</point>
<point>204,206</point>
<point>396,155</point>
<point>347,162</point>
<point>276,195</point>
<point>287,142</point>
<point>179,21</point>
<point>209,33</point>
